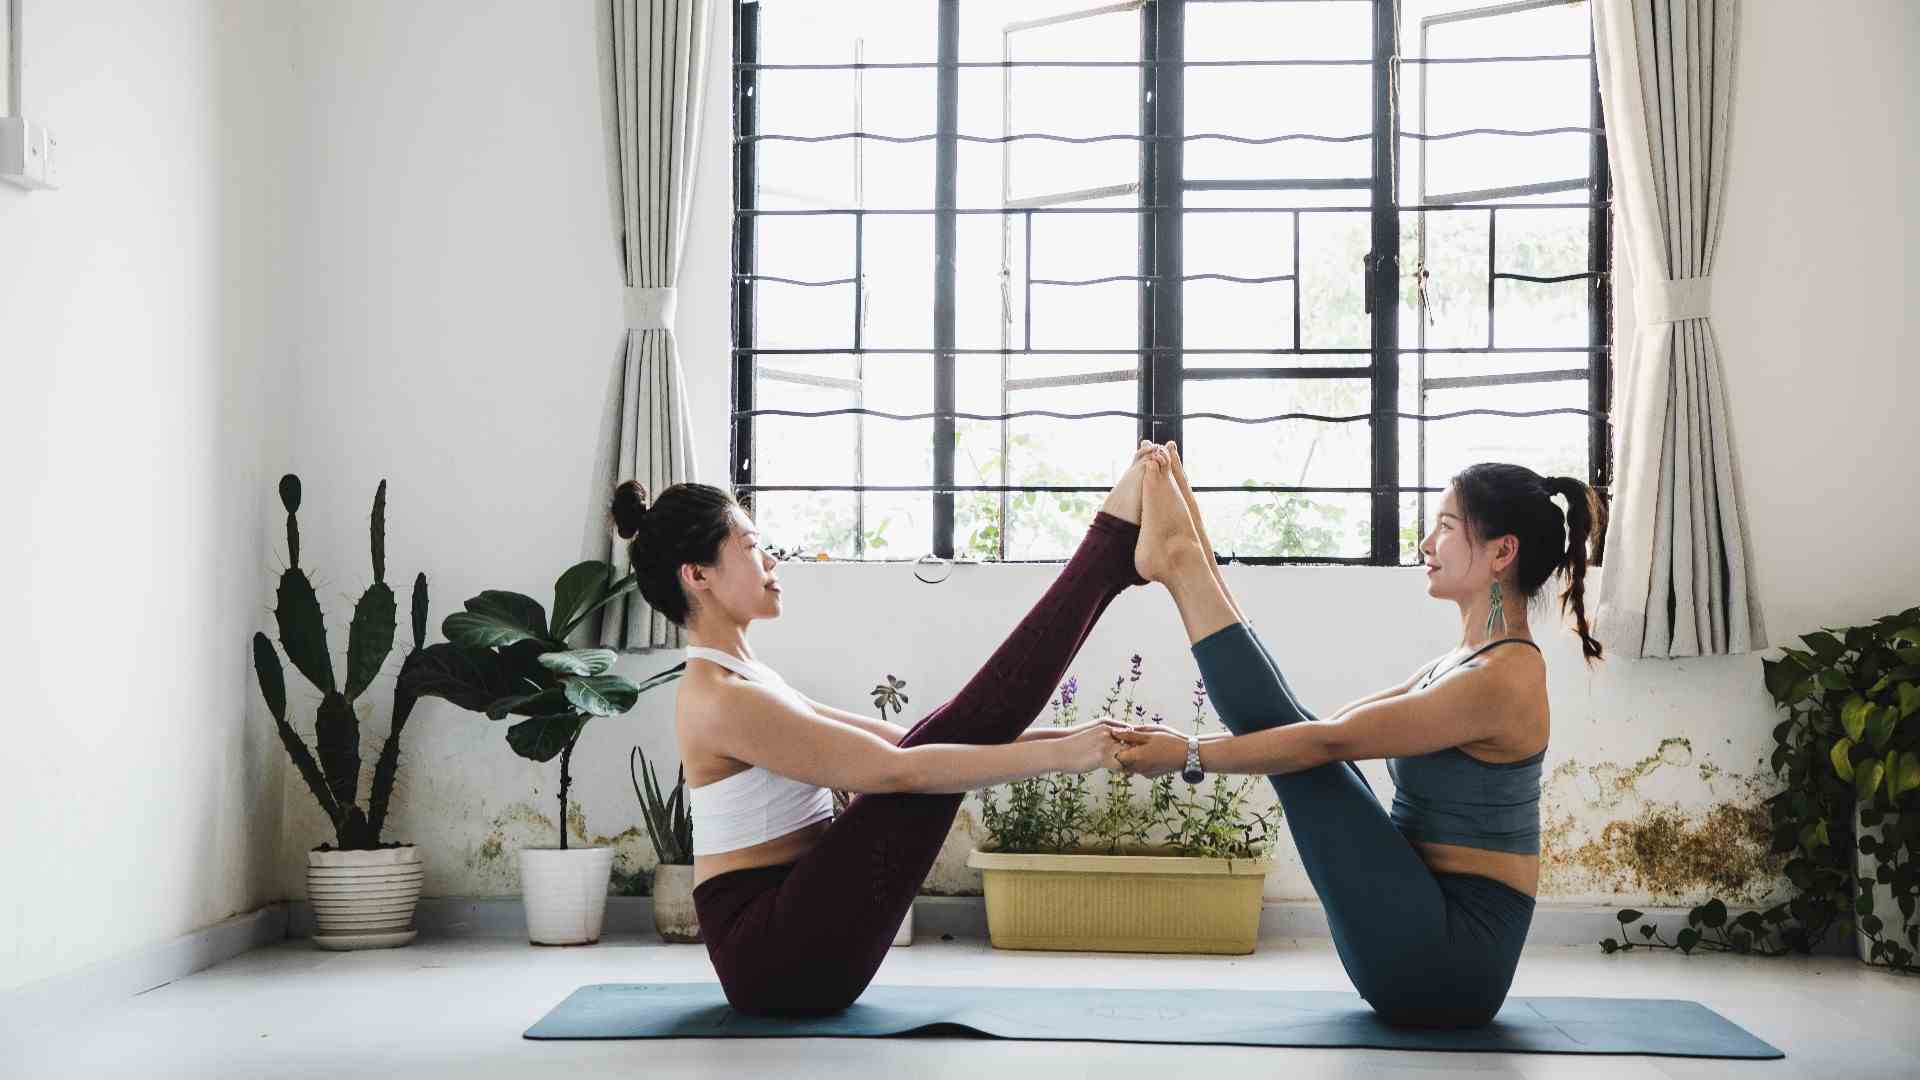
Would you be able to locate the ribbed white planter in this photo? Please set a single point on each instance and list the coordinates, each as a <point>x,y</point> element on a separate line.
<point>673,914</point>
<point>565,893</point>
<point>364,899</point>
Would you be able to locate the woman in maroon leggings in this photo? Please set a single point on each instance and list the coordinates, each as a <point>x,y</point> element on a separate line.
<point>797,907</point>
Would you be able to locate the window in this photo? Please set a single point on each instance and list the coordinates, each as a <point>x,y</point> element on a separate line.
<point>1340,249</point>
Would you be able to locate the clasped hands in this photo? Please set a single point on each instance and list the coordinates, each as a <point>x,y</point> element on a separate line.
<point>1147,750</point>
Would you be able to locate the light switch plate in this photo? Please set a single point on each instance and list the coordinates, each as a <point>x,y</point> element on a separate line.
<point>23,153</point>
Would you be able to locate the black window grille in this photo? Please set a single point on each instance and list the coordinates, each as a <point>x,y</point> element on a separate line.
<point>948,321</point>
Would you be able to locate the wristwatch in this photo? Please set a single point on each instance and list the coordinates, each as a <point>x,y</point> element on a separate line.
<point>1193,774</point>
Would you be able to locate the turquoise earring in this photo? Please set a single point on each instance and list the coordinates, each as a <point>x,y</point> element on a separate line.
<point>1497,611</point>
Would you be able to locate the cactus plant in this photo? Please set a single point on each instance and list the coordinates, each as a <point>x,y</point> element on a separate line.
<point>503,657</point>
<point>332,769</point>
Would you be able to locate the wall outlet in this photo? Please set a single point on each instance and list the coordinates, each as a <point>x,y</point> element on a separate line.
<point>23,153</point>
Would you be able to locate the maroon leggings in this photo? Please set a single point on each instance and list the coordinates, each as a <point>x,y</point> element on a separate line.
<point>807,937</point>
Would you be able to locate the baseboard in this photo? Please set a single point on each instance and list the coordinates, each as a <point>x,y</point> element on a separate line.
<point>964,918</point>
<point>143,969</point>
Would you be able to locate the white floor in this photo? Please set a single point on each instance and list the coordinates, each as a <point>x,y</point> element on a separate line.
<point>457,1007</point>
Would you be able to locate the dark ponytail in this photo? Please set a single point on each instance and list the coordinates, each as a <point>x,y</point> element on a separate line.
<point>686,524</point>
<point>1502,499</point>
<point>1584,511</point>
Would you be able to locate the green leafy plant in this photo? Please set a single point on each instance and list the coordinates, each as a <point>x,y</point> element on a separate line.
<point>669,820</point>
<point>1849,749</point>
<point>1062,814</point>
<point>333,774</point>
<point>504,657</point>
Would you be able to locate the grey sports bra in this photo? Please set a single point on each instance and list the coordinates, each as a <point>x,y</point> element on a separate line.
<point>1452,797</point>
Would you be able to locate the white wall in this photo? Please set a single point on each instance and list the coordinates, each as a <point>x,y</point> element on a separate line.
<point>141,422</point>
<point>460,319</point>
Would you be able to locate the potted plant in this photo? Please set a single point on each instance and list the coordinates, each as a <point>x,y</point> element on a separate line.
<point>669,824</point>
<point>1168,868</point>
<point>363,891</point>
<point>1848,817</point>
<point>504,657</point>
<point>1857,692</point>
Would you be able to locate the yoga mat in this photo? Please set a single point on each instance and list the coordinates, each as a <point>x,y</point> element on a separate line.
<point>1536,1025</point>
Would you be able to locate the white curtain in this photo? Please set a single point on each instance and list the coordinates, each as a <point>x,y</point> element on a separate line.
<point>659,62</point>
<point>1678,579</point>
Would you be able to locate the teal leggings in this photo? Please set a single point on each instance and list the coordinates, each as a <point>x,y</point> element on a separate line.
<point>1424,949</point>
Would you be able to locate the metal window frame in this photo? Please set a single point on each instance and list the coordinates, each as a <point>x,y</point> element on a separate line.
<point>1161,365</point>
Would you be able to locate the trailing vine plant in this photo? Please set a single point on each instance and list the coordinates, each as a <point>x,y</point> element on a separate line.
<point>1849,752</point>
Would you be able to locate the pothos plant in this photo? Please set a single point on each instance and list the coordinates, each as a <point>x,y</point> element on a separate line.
<point>1062,814</point>
<point>1849,750</point>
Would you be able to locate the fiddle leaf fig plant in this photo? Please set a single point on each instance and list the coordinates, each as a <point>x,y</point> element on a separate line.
<point>1849,751</point>
<point>505,657</point>
<point>332,769</point>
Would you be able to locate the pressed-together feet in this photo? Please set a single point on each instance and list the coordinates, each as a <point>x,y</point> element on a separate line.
<point>1123,501</point>
<point>1170,542</point>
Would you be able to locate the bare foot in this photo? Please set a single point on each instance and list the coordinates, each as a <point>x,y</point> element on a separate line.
<point>1199,522</point>
<point>1123,501</point>
<point>1168,543</point>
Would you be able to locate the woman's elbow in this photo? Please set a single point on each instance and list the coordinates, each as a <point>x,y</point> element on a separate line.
<point>1323,745</point>
<point>897,772</point>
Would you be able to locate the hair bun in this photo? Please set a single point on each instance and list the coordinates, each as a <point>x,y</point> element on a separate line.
<point>629,508</point>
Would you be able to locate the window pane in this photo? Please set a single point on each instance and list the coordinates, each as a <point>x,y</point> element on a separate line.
<point>1269,524</point>
<point>1041,451</point>
<point>804,449</point>
<point>1336,30</point>
<point>1445,98</point>
<point>1244,102</point>
<point>802,317</point>
<point>898,267</point>
<point>1047,30</point>
<point>809,522</point>
<point>1288,453</point>
<point>1450,246</point>
<point>1333,280</point>
<point>1238,314</point>
<point>1086,247</point>
<point>1541,314</point>
<point>810,32</point>
<point>1550,445</point>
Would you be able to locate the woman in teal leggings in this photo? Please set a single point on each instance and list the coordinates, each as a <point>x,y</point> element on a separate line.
<point>1429,903</point>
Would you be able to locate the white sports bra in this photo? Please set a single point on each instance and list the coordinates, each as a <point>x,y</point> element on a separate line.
<point>754,806</point>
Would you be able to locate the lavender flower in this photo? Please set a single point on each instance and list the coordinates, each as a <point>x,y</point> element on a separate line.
<point>1136,668</point>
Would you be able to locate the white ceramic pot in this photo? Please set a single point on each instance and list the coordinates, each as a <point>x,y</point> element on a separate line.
<point>364,899</point>
<point>904,936</point>
<point>673,914</point>
<point>565,893</point>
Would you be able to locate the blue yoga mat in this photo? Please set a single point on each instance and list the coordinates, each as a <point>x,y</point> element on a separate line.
<point>1537,1025</point>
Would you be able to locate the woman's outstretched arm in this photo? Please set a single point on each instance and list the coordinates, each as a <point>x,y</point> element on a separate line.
<point>758,725</point>
<point>1465,708</point>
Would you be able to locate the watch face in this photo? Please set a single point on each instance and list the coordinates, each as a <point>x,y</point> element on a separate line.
<point>1192,776</point>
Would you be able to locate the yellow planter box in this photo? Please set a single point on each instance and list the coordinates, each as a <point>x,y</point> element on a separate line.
<point>1122,903</point>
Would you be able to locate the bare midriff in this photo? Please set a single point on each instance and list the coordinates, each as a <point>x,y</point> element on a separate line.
<point>1521,872</point>
<point>775,852</point>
